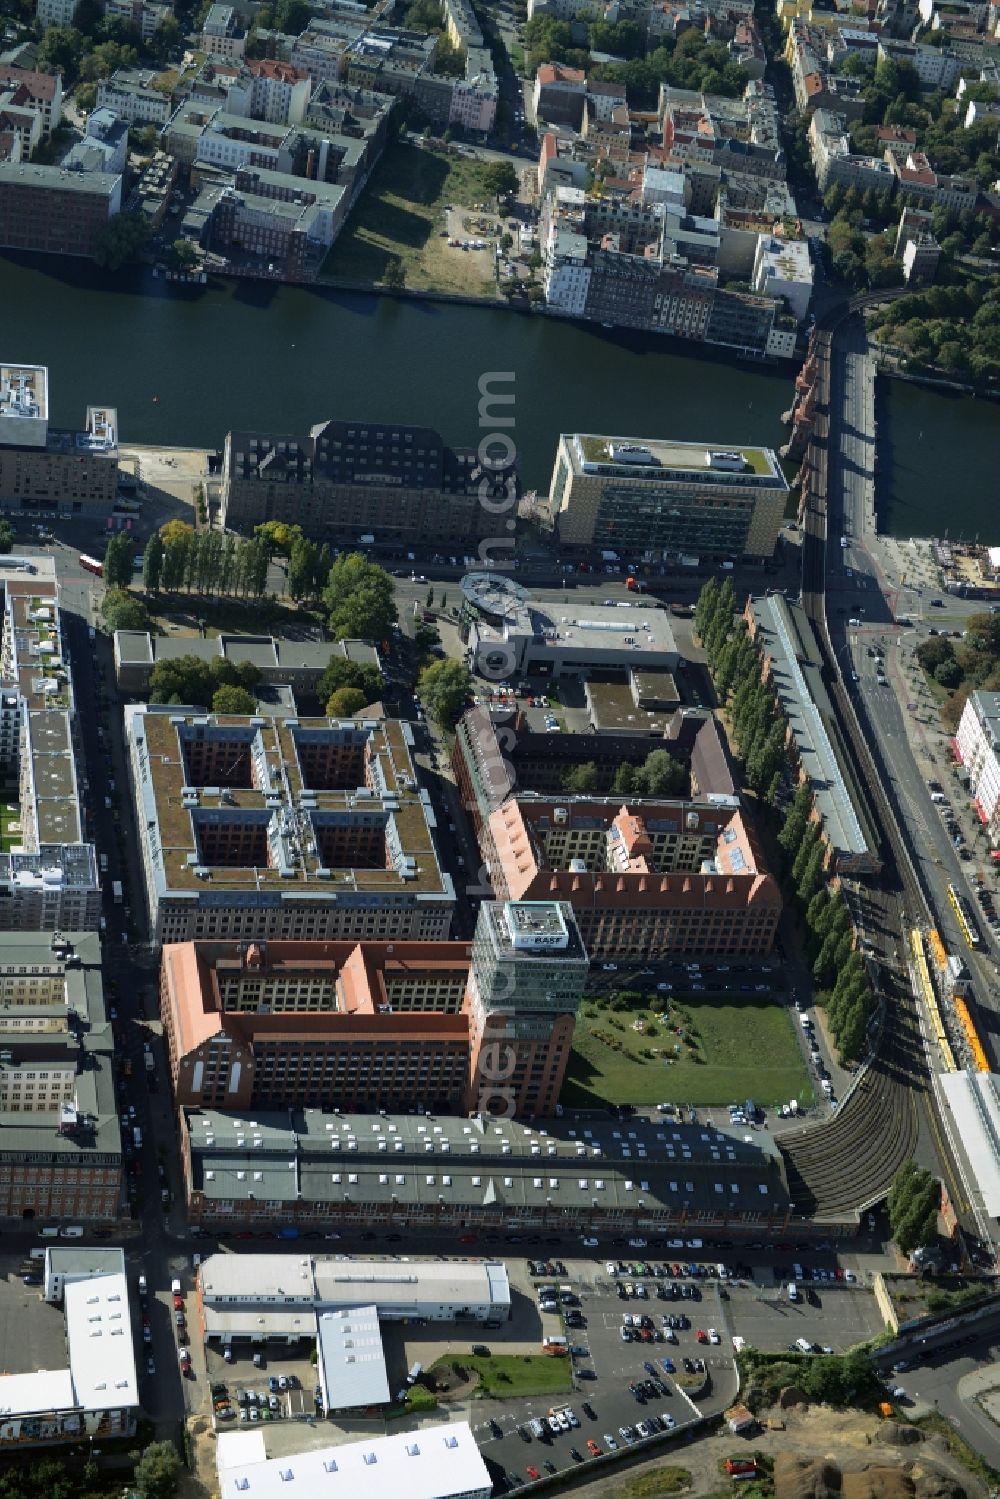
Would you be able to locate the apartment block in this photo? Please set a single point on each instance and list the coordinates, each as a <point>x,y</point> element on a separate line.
<point>834,161</point>
<point>42,90</point>
<point>60,1141</point>
<point>147,16</point>
<point>44,467</point>
<point>376,1025</point>
<point>296,828</point>
<point>345,479</point>
<point>55,12</point>
<point>129,94</point>
<point>921,185</point>
<point>222,34</point>
<point>655,879</point>
<point>682,497</point>
<point>977,746</point>
<point>936,67</point>
<point>783,270</point>
<point>560,94</point>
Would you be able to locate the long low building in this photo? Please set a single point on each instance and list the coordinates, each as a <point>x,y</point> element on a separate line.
<point>298,664</point>
<point>442,1174</point>
<point>438,1462</point>
<point>792,665</point>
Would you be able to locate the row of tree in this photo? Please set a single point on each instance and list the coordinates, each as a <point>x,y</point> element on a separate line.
<point>913,1203</point>
<point>177,557</point>
<point>760,730</point>
<point>658,775</point>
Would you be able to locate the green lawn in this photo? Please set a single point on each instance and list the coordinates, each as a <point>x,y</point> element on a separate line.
<point>707,1051</point>
<point>505,1375</point>
<point>400,216</point>
<point>8,838</point>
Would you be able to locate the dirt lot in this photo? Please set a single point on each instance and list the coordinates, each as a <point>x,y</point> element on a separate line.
<point>401,217</point>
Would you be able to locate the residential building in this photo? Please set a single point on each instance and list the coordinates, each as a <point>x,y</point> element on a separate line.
<point>445,1463</point>
<point>565,271</point>
<point>560,94</point>
<point>297,664</point>
<point>783,270</point>
<point>977,747</point>
<point>303,828</point>
<point>303,1167</point>
<point>89,1390</point>
<point>129,93</point>
<point>55,12</point>
<point>43,91</point>
<point>916,246</point>
<point>676,497</point>
<point>375,1025</point>
<point>270,219</point>
<point>936,67</point>
<point>147,16</point>
<point>280,92</point>
<point>792,665</point>
<point>474,97</point>
<point>60,1140</point>
<point>920,184</point>
<point>834,161</point>
<point>20,123</point>
<point>346,479</point>
<point>47,468</point>
<point>222,34</point>
<point>104,147</point>
<point>658,879</point>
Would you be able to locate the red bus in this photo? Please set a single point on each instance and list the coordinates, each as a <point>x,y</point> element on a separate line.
<point>91,565</point>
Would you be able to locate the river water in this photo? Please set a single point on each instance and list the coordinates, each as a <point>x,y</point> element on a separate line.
<point>185,365</point>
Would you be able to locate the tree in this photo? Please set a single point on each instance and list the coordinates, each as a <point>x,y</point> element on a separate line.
<point>394,274</point>
<point>444,687</point>
<point>360,598</point>
<point>123,240</point>
<point>292,16</point>
<point>429,602</point>
<point>345,702</point>
<point>278,536</point>
<point>121,610</point>
<point>182,256</point>
<point>118,558</point>
<point>165,37</point>
<point>232,699</point>
<point>157,1471</point>
<point>796,820</point>
<point>500,179</point>
<point>624,781</point>
<point>303,568</point>
<point>6,536</point>
<point>948,674</point>
<point>342,673</point>
<point>913,1202</point>
<point>174,530</point>
<point>660,775</point>
<point>60,50</point>
<point>582,780</point>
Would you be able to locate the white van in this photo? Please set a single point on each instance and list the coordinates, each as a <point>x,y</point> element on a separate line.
<point>803,1346</point>
<point>793,1291</point>
<point>73,1232</point>
<point>938,797</point>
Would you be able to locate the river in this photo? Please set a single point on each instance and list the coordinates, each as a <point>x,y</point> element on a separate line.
<point>185,365</point>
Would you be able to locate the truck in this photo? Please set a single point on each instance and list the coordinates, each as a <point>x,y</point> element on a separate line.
<point>556,1344</point>
<point>137,1136</point>
<point>150,1063</point>
<point>104,863</point>
<point>609,556</point>
<point>116,891</point>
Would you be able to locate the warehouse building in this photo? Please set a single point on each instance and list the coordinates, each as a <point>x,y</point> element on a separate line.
<point>305,1168</point>
<point>436,1462</point>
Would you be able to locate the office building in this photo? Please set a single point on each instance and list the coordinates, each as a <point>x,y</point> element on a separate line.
<point>348,479</point>
<point>297,664</point>
<point>488,1176</point>
<point>504,627</point>
<point>48,876</point>
<point>48,468</point>
<point>977,747</point>
<point>291,828</point>
<point>60,1140</point>
<point>671,497</point>
<point>89,1391</point>
<point>656,878</point>
<point>375,1025</point>
<point>438,1462</point>
<point>55,212</point>
<point>792,665</point>
<point>529,971</point>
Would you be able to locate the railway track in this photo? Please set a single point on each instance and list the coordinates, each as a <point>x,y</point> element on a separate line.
<point>844,1164</point>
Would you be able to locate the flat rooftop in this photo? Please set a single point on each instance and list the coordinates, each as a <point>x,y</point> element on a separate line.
<point>655,458</point>
<point>614,708</point>
<point>317,806</point>
<point>436,1462</point>
<point>351,1359</point>
<point>24,391</point>
<point>786,636</point>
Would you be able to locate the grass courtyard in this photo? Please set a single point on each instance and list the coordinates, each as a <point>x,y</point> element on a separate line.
<point>706,1051</point>
<point>10,826</point>
<point>504,1375</point>
<point>400,216</point>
